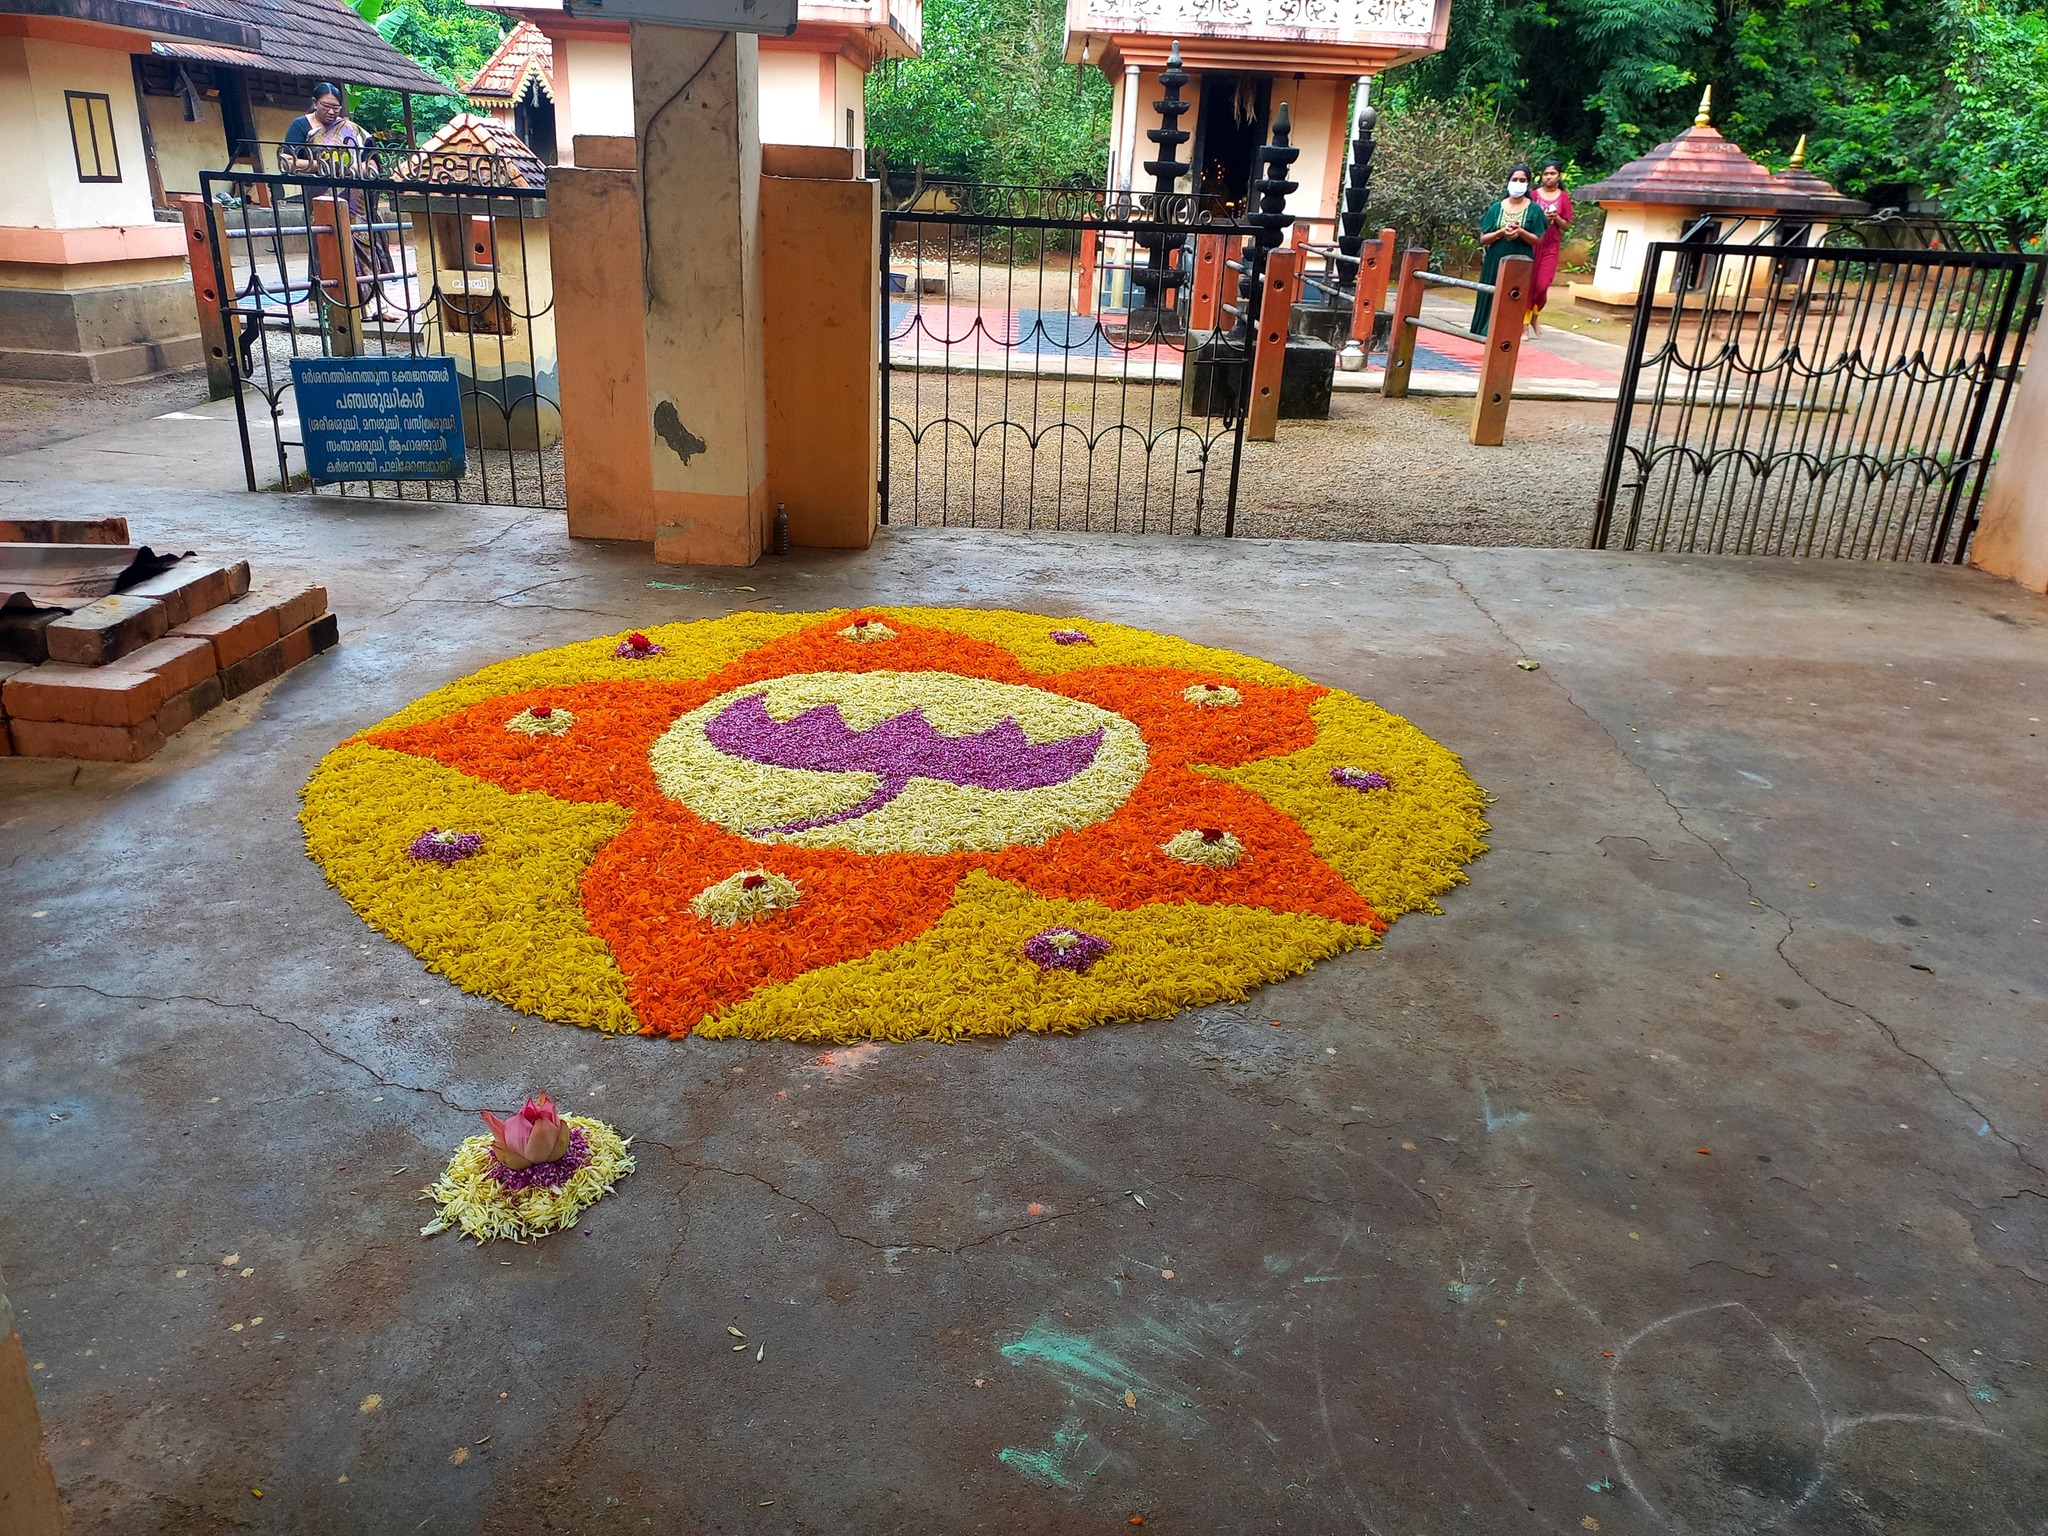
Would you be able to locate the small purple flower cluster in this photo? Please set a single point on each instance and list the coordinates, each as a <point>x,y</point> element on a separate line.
<point>438,847</point>
<point>1361,778</point>
<point>1071,637</point>
<point>1064,949</point>
<point>637,647</point>
<point>544,1175</point>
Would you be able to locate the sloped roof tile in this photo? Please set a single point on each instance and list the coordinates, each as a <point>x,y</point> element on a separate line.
<point>525,56</point>
<point>323,40</point>
<point>1701,169</point>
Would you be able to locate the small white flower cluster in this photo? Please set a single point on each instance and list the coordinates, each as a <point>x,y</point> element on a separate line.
<point>1212,696</point>
<point>867,631</point>
<point>745,896</point>
<point>541,720</point>
<point>1207,846</point>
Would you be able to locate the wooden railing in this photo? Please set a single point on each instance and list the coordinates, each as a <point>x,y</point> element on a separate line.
<point>1503,341</point>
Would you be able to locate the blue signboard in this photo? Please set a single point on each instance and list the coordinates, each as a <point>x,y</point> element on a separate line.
<point>380,418</point>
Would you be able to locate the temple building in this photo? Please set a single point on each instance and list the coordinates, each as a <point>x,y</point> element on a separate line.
<point>1699,186</point>
<point>1246,57</point>
<point>109,109</point>
<point>557,76</point>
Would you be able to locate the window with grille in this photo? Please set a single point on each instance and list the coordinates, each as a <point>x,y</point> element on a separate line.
<point>92,135</point>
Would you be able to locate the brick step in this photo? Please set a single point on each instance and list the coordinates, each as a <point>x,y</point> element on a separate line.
<point>124,711</point>
<point>193,587</point>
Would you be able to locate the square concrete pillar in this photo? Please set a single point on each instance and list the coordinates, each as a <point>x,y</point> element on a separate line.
<point>2012,526</point>
<point>696,105</point>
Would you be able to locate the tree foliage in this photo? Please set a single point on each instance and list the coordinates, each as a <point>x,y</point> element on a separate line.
<point>1945,98</point>
<point>991,99</point>
<point>1435,169</point>
<point>449,39</point>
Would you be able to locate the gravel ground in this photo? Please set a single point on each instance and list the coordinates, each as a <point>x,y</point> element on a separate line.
<point>1393,471</point>
<point>34,414</point>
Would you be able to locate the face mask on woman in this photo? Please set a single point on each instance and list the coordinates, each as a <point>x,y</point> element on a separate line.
<point>1518,188</point>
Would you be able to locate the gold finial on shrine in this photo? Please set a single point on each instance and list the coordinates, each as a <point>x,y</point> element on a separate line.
<point>1706,109</point>
<point>1799,153</point>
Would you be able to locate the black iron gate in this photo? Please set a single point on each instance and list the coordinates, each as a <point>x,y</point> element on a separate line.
<point>1032,379</point>
<point>1791,399</point>
<point>348,253</point>
<point>1058,357</point>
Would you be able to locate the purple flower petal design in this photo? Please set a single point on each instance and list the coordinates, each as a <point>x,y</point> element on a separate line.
<point>1361,778</point>
<point>1064,949</point>
<point>897,750</point>
<point>1071,637</point>
<point>543,1175</point>
<point>438,847</point>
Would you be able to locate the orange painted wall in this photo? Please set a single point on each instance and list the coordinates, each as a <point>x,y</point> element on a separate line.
<point>594,218</point>
<point>821,339</point>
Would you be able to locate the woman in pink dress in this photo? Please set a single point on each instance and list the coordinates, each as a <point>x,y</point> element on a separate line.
<point>1558,214</point>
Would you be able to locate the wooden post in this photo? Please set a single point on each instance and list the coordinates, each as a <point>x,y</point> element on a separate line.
<point>1084,301</point>
<point>206,297</point>
<point>1298,242</point>
<point>1386,269</point>
<point>1369,293</point>
<point>1269,354</point>
<point>334,256</point>
<point>1207,300</point>
<point>1503,346</point>
<point>1401,340</point>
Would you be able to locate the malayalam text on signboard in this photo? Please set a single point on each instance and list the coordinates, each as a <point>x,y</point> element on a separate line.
<point>380,418</point>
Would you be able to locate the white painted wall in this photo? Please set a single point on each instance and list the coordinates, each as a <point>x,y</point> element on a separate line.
<point>852,94</point>
<point>791,112</point>
<point>41,188</point>
<point>24,192</point>
<point>600,90</point>
<point>798,106</point>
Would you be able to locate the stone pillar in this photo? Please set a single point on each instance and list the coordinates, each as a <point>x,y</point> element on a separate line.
<point>1127,153</point>
<point>696,105</point>
<point>28,1491</point>
<point>2012,524</point>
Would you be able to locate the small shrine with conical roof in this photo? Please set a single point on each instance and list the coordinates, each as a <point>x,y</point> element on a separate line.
<point>1699,176</point>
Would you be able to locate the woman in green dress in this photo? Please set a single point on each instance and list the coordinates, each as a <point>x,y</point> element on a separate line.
<point>1512,227</point>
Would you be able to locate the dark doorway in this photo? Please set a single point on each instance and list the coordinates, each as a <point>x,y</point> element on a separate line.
<point>1228,133</point>
<point>534,121</point>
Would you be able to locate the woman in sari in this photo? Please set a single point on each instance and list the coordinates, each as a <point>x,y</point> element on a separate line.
<point>1559,214</point>
<point>1513,226</point>
<point>327,142</point>
<point>327,127</point>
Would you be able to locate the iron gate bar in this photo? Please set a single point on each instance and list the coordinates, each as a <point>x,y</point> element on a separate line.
<point>998,217</point>
<point>389,301</point>
<point>1884,369</point>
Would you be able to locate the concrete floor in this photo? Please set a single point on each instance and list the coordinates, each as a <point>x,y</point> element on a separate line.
<point>1686,1175</point>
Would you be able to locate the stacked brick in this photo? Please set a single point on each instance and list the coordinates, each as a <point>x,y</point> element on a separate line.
<point>111,681</point>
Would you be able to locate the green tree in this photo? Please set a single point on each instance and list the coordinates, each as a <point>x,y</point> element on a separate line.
<point>1948,98</point>
<point>992,99</point>
<point>449,39</point>
<point>1437,167</point>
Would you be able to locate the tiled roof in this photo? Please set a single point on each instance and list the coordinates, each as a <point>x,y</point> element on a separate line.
<point>525,56</point>
<point>1701,169</point>
<point>468,134</point>
<point>323,40</point>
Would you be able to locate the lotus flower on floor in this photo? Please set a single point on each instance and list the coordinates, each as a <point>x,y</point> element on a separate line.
<point>536,1134</point>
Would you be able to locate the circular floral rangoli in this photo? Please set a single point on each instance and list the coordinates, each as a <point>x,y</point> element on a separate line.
<point>885,824</point>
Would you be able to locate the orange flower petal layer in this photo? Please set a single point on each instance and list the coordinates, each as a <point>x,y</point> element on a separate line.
<point>681,968</point>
